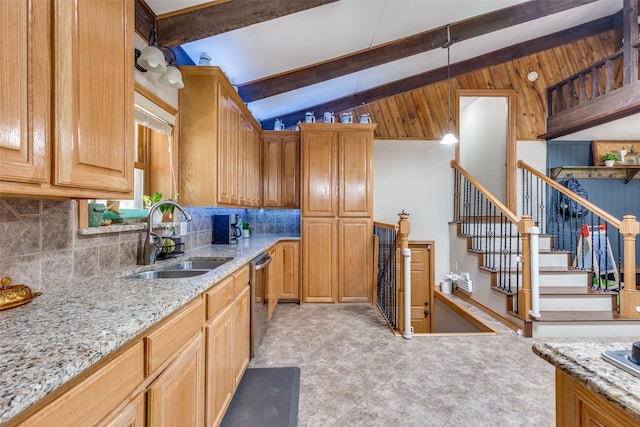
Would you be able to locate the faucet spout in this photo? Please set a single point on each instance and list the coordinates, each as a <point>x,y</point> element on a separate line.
<point>153,243</point>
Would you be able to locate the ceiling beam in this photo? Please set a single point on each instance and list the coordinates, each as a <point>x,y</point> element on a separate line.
<point>145,19</point>
<point>500,56</point>
<point>208,21</point>
<point>408,46</point>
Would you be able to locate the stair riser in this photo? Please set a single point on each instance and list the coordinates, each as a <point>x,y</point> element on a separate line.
<point>585,329</point>
<point>576,303</point>
<point>546,260</point>
<point>544,243</point>
<point>558,279</point>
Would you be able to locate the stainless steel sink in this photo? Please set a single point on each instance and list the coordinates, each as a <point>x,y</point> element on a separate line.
<point>208,264</point>
<point>166,274</point>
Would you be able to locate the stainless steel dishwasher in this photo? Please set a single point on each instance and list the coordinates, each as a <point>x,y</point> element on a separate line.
<point>259,308</point>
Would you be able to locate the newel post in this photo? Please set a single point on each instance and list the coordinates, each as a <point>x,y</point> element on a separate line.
<point>404,314</point>
<point>524,295</point>
<point>629,296</point>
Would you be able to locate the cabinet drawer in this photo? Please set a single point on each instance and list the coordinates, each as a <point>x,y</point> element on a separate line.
<point>240,280</point>
<point>167,340</point>
<point>96,396</point>
<point>219,296</point>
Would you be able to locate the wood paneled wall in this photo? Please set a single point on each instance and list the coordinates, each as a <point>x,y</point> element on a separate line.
<point>422,113</point>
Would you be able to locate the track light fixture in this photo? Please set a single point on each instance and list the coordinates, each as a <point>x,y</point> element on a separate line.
<point>449,137</point>
<point>154,58</point>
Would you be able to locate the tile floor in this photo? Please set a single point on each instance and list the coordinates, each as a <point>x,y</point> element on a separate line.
<point>355,372</point>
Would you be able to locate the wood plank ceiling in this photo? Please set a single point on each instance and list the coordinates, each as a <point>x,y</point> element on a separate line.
<point>415,107</point>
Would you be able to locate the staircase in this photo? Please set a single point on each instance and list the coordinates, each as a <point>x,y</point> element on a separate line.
<point>569,307</point>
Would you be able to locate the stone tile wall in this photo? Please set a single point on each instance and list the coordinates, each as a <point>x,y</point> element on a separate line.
<point>40,246</point>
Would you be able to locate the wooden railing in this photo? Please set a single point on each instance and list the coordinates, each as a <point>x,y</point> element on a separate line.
<point>628,228</point>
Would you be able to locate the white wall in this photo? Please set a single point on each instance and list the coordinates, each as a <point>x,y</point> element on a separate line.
<point>416,176</point>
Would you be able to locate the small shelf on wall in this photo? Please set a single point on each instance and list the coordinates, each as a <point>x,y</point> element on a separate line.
<point>626,172</point>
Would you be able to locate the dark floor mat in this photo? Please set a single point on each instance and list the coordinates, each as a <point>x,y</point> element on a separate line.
<point>265,397</point>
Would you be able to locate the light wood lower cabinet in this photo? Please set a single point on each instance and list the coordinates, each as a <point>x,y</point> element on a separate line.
<point>355,254</point>
<point>576,405</point>
<point>274,279</point>
<point>97,396</point>
<point>184,371</point>
<point>319,259</point>
<point>227,343</point>
<point>290,270</point>
<point>175,398</point>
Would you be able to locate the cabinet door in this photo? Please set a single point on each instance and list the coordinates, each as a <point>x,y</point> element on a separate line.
<point>274,279</point>
<point>271,170</point>
<point>290,172</point>
<point>320,256</point>
<point>26,82</point>
<point>319,167</point>
<point>355,157</point>
<point>176,398</point>
<point>220,379</point>
<point>93,94</point>
<point>241,347</point>
<point>290,271</point>
<point>354,259</point>
<point>224,146</point>
<point>131,415</point>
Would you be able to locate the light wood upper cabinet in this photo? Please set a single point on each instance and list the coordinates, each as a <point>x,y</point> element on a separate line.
<point>93,94</point>
<point>67,118</point>
<point>319,173</point>
<point>219,158</point>
<point>355,174</point>
<point>281,169</point>
<point>26,82</point>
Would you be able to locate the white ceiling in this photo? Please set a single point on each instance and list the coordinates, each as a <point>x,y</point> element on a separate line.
<point>347,26</point>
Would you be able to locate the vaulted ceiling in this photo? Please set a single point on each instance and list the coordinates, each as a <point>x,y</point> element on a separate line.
<point>385,57</point>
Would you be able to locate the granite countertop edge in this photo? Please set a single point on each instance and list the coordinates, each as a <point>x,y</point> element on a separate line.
<point>584,363</point>
<point>65,331</point>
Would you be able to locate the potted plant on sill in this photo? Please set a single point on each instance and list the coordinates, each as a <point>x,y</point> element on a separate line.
<point>609,159</point>
<point>149,201</point>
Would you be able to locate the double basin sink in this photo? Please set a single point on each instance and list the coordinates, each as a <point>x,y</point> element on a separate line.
<point>182,269</point>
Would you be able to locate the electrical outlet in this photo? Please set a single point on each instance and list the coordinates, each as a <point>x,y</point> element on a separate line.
<point>454,266</point>
<point>183,228</point>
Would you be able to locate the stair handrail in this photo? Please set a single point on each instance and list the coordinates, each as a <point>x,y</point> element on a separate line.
<point>505,210</point>
<point>628,227</point>
<point>562,189</point>
<point>524,225</point>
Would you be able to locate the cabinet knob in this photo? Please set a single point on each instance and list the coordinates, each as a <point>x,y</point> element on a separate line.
<point>426,303</point>
<point>426,312</point>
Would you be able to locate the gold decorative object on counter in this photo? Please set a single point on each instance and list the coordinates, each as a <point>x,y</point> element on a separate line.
<point>14,295</point>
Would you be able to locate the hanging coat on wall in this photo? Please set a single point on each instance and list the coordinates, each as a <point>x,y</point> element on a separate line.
<point>569,208</point>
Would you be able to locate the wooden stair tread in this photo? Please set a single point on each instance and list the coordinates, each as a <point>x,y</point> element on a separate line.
<point>579,316</point>
<point>542,270</point>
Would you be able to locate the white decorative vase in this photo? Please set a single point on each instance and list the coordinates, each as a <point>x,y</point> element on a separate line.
<point>246,233</point>
<point>609,162</point>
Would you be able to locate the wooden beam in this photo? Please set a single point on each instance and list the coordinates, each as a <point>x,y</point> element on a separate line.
<point>614,105</point>
<point>497,57</point>
<point>218,18</point>
<point>145,19</point>
<point>408,46</point>
<point>630,37</point>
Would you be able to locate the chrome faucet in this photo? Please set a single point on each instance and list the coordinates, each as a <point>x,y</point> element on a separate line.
<point>153,243</point>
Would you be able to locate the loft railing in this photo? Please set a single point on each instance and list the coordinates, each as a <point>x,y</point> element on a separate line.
<point>602,77</point>
<point>598,241</point>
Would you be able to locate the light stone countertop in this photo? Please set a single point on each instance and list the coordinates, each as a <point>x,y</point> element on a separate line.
<point>584,363</point>
<point>64,331</point>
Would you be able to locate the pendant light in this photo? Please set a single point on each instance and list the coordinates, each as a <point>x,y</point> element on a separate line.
<point>449,137</point>
<point>152,58</point>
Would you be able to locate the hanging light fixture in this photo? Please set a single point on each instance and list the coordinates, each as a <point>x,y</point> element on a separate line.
<point>152,58</point>
<point>449,137</point>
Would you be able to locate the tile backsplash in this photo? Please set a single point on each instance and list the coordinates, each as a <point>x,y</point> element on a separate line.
<point>41,247</point>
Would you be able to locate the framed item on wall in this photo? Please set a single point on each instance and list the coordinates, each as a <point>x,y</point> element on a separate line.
<point>627,151</point>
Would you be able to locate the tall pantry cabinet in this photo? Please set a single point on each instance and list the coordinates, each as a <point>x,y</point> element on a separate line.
<point>337,209</point>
